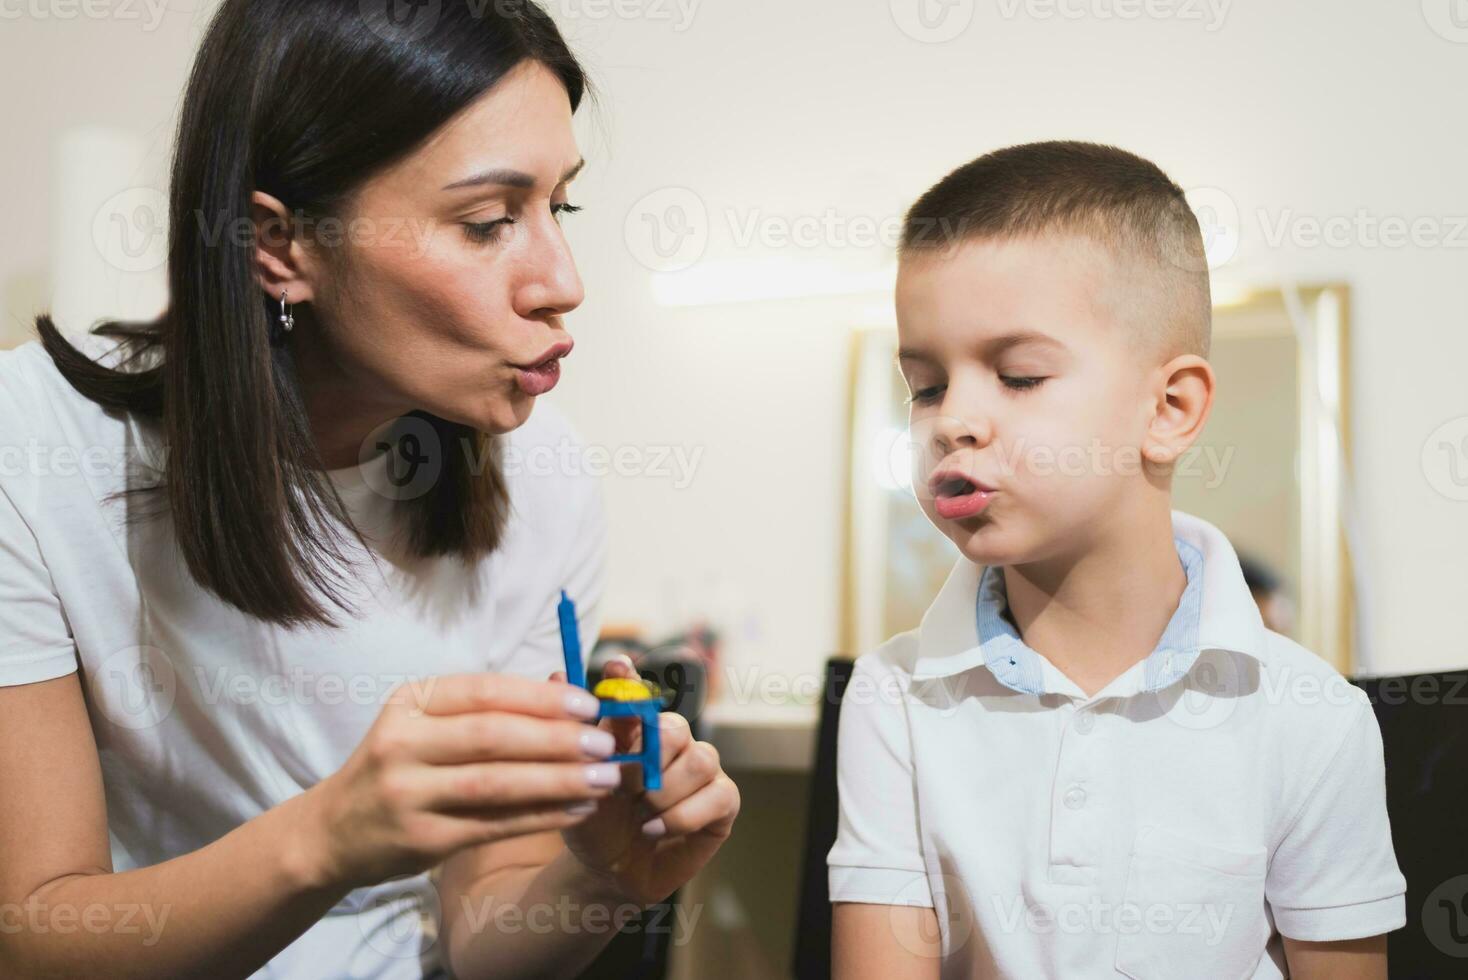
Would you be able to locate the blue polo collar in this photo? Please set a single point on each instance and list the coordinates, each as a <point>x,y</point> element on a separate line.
<point>966,625</point>
<point>1018,666</point>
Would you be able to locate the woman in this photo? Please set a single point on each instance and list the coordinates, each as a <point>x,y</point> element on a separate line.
<point>277,601</point>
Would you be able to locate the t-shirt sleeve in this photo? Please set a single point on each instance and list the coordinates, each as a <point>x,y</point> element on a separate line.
<point>877,858</point>
<point>35,639</point>
<point>1334,874</point>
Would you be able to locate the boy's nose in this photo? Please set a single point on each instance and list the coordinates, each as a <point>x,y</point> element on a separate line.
<point>950,433</point>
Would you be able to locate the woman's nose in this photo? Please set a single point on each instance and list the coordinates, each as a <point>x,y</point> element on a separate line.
<point>553,286</point>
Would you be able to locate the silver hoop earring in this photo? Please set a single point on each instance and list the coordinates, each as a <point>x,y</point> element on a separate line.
<point>287,318</point>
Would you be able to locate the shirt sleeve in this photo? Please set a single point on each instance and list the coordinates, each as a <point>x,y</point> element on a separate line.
<point>1334,874</point>
<point>35,639</point>
<point>877,858</point>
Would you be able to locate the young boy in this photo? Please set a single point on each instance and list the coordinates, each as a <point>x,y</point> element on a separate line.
<point>1091,759</point>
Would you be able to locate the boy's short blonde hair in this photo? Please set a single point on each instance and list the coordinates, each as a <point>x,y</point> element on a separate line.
<point>1117,199</point>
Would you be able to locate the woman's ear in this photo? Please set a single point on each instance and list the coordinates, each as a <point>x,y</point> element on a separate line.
<point>282,261</point>
<point>1183,402</point>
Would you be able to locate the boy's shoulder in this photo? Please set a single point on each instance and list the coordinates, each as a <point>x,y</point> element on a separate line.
<point>1305,694</point>
<point>892,659</point>
<point>1296,666</point>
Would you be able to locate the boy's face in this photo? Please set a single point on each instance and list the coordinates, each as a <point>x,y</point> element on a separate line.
<point>1026,383</point>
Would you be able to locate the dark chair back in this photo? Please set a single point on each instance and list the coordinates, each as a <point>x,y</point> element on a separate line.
<point>1424,734</point>
<point>813,928</point>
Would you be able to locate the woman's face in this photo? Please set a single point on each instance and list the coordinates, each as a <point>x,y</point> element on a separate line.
<point>447,287</point>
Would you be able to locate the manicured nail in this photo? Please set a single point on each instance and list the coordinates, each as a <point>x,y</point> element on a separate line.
<point>582,705</point>
<point>598,743</point>
<point>582,808</point>
<point>654,828</point>
<point>604,776</point>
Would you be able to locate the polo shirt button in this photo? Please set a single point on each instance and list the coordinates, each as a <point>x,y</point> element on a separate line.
<point>1075,798</point>
<point>1085,721</point>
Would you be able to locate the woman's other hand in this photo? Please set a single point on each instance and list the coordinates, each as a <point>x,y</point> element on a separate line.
<point>648,843</point>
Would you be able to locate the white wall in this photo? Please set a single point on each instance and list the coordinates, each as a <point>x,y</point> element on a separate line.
<point>828,110</point>
<point>1301,109</point>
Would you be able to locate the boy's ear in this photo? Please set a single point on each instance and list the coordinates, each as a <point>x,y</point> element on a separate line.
<point>1182,408</point>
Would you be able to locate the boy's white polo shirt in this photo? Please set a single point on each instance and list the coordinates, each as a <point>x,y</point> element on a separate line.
<point>1225,791</point>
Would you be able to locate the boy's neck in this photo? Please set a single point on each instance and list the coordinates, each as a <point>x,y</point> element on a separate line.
<point>1096,614</point>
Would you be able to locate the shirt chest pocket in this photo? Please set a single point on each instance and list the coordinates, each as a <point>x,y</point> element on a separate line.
<point>1192,909</point>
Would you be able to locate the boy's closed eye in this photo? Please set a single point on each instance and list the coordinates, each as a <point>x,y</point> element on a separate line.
<point>930,394</point>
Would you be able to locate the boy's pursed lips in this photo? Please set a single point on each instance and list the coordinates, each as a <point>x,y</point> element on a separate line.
<point>957,495</point>
<point>949,480</point>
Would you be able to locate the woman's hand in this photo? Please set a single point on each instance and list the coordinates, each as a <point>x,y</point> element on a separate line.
<point>647,844</point>
<point>458,760</point>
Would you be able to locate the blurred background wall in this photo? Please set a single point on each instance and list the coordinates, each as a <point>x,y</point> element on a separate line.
<point>748,162</point>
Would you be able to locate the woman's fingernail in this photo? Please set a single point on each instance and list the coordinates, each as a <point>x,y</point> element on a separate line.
<point>598,743</point>
<point>604,776</point>
<point>582,705</point>
<point>579,809</point>
<point>654,828</point>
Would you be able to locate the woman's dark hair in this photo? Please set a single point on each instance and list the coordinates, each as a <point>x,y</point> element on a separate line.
<point>304,100</point>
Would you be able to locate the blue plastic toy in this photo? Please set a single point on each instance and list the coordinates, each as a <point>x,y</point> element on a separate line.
<point>646,708</point>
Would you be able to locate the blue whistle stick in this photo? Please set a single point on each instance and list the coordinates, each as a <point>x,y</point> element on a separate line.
<point>571,641</point>
<point>645,710</point>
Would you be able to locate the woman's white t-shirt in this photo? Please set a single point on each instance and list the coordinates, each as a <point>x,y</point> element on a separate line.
<point>205,717</point>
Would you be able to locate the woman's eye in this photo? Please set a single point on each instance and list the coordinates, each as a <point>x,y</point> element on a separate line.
<point>1020,384</point>
<point>926,396</point>
<point>484,231</point>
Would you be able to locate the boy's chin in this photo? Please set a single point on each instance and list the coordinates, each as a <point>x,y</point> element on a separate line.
<point>979,539</point>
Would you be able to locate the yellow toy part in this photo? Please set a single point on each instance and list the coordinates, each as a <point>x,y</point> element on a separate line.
<point>624,689</point>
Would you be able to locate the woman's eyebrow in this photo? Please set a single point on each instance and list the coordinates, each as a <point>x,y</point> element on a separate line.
<point>507,177</point>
